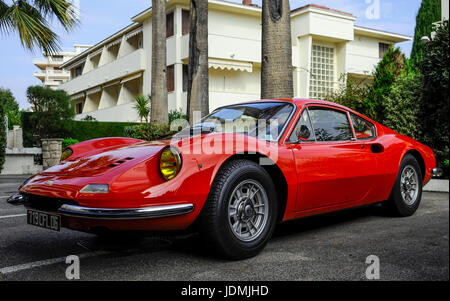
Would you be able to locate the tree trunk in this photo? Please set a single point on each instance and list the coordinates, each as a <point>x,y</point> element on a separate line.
<point>159,103</point>
<point>276,73</point>
<point>198,80</point>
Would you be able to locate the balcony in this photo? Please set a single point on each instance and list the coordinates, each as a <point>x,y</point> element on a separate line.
<point>129,64</point>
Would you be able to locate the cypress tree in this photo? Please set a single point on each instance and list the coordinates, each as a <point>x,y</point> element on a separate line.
<point>429,12</point>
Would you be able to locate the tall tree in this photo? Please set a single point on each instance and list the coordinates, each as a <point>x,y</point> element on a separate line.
<point>276,73</point>
<point>2,136</point>
<point>198,80</point>
<point>29,19</point>
<point>159,110</point>
<point>10,107</point>
<point>429,12</point>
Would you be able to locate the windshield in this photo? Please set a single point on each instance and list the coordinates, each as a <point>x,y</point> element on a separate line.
<point>265,120</point>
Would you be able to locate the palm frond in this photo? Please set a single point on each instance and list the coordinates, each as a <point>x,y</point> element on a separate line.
<point>60,9</point>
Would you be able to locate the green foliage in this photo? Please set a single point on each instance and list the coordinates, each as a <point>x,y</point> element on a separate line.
<point>402,106</point>
<point>88,118</point>
<point>388,69</point>
<point>2,137</point>
<point>176,115</point>
<point>52,108</point>
<point>10,107</point>
<point>148,131</point>
<point>429,12</point>
<point>435,104</point>
<point>30,21</point>
<point>68,142</point>
<point>78,130</point>
<point>142,106</point>
<point>353,94</point>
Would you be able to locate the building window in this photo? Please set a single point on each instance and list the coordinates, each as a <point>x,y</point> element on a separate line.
<point>169,25</point>
<point>57,58</point>
<point>186,21</point>
<point>322,71</point>
<point>170,78</point>
<point>79,108</point>
<point>185,77</point>
<point>383,48</point>
<point>78,71</point>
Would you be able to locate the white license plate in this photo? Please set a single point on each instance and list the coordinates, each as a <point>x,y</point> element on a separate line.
<point>44,220</point>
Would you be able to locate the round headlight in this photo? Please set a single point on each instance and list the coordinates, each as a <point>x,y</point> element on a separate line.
<point>169,163</point>
<point>66,154</point>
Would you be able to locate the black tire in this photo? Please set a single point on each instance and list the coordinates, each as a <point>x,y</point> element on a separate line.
<point>215,220</point>
<point>397,205</point>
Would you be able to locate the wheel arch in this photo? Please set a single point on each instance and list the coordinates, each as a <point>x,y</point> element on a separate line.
<point>275,174</point>
<point>418,156</point>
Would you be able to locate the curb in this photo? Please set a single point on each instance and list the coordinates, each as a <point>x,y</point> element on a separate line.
<point>437,186</point>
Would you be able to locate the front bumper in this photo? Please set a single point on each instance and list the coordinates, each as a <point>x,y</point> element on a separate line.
<point>127,213</point>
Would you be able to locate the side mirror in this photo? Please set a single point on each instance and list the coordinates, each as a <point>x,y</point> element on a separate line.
<point>304,133</point>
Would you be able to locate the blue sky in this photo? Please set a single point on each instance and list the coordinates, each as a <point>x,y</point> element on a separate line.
<point>101,18</point>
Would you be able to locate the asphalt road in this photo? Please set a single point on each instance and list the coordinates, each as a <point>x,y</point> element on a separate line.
<point>328,247</point>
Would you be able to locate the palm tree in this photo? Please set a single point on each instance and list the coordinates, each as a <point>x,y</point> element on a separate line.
<point>159,112</point>
<point>198,80</point>
<point>276,72</point>
<point>142,106</point>
<point>30,19</point>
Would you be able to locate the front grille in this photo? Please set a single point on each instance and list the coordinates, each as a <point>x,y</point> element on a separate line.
<point>46,203</point>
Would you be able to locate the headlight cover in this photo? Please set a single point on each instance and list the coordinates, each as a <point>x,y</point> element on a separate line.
<point>169,163</point>
<point>66,154</point>
<point>95,188</point>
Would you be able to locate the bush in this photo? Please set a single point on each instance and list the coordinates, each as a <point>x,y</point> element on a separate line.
<point>148,131</point>
<point>435,68</point>
<point>10,107</point>
<point>353,94</point>
<point>402,106</point>
<point>68,142</point>
<point>78,130</point>
<point>176,115</point>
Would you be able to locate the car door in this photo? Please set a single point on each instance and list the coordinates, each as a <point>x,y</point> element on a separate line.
<point>333,167</point>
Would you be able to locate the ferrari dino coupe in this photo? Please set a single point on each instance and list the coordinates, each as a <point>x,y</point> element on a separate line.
<point>233,175</point>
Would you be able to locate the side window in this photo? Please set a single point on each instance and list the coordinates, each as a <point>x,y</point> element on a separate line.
<point>303,130</point>
<point>330,125</point>
<point>363,128</point>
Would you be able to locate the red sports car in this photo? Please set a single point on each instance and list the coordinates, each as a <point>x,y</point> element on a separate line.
<point>234,175</point>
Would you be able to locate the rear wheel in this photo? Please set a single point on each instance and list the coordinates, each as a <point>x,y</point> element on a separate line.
<point>407,192</point>
<point>239,216</point>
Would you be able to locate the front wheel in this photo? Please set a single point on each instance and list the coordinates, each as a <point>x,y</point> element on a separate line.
<point>407,192</point>
<point>240,214</point>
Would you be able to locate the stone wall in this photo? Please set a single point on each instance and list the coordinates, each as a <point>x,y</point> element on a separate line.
<point>51,152</point>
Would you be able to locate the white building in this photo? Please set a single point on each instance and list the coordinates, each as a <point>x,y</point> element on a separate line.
<point>326,44</point>
<point>50,73</point>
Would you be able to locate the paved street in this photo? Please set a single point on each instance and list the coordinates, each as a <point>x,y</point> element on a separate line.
<point>328,247</point>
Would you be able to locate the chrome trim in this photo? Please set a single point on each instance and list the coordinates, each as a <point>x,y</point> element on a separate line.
<point>16,200</point>
<point>126,213</point>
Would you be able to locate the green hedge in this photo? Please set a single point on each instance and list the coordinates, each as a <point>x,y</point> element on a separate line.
<point>78,130</point>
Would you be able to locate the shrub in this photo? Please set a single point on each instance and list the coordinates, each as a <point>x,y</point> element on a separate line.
<point>68,142</point>
<point>352,94</point>
<point>176,115</point>
<point>148,131</point>
<point>402,106</point>
<point>435,105</point>
<point>78,130</point>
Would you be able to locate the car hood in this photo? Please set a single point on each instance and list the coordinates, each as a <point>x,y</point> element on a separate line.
<point>95,165</point>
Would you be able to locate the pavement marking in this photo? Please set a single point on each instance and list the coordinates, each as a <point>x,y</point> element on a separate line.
<point>14,215</point>
<point>40,263</point>
<point>4,197</point>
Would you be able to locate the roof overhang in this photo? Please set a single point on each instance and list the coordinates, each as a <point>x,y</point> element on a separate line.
<point>379,34</point>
